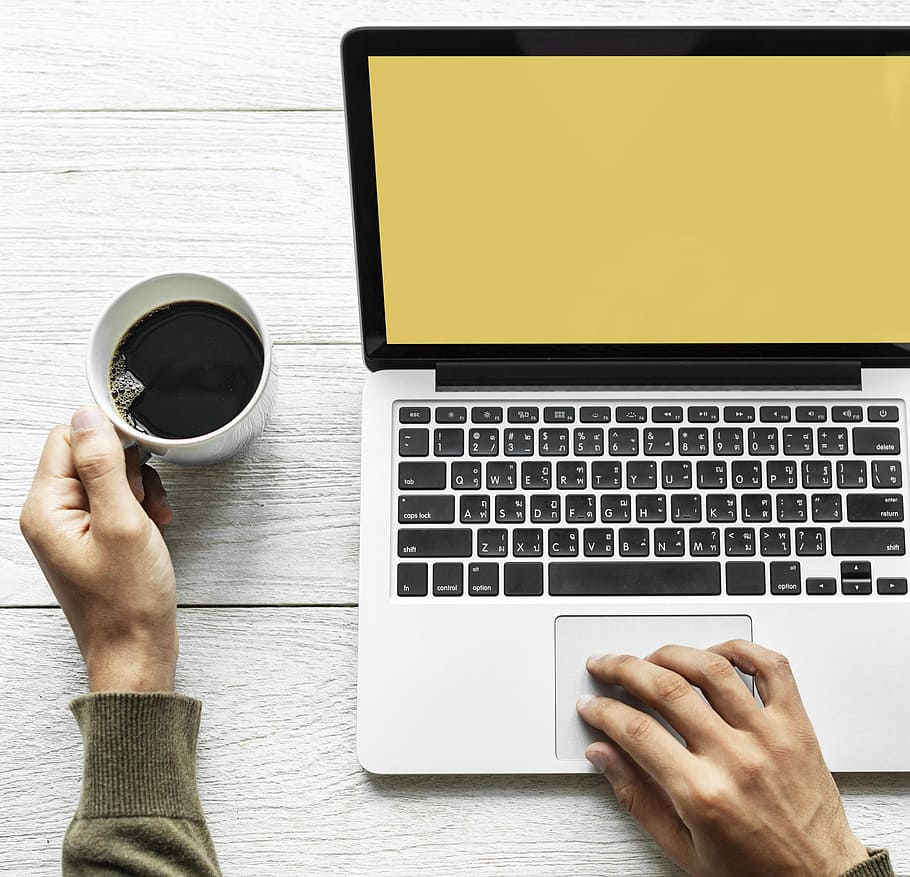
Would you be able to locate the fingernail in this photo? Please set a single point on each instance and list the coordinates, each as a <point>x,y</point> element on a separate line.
<point>136,481</point>
<point>594,659</point>
<point>87,418</point>
<point>598,759</point>
<point>583,700</point>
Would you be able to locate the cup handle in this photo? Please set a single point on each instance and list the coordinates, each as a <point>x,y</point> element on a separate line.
<point>144,453</point>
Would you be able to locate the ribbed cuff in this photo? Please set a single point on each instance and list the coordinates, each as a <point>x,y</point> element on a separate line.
<point>140,754</point>
<point>877,865</point>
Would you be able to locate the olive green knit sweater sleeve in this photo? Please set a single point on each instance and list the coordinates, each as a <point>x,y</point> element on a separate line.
<point>139,813</point>
<point>877,865</point>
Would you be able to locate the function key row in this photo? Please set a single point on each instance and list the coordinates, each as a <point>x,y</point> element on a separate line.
<point>659,414</point>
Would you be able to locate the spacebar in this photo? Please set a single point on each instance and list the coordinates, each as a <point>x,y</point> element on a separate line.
<point>634,579</point>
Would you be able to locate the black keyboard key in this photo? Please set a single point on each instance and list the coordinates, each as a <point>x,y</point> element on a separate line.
<point>416,509</point>
<point>774,541</point>
<point>786,577</point>
<point>856,577</point>
<point>545,508</point>
<point>781,474</point>
<point>492,542</point>
<point>633,541</point>
<point>598,541</point>
<point>413,414</point>
<point>474,509</point>
<point>878,507</point>
<point>536,476</point>
<point>739,413</point>
<point>844,414</point>
<point>518,442</point>
<point>466,476</point>
<point>631,414</point>
<point>704,541</point>
<point>522,579</point>
<point>483,579</point>
<point>451,414</point>
<point>413,442</point>
<point>449,442</point>
<point>882,413</point>
<point>483,442</point>
<point>720,507</point>
<point>692,442</point>
<point>792,507</point>
<point>763,441</point>
<point>811,414</point>
<point>448,579</point>
<point>745,578</point>
<point>562,542</point>
<point>832,442</point>
<point>685,508</point>
<point>571,476</point>
<point>891,586</point>
<point>711,474</point>
<point>559,414</point>
<point>756,508</point>
<point>589,442</point>
<point>878,440</point>
<point>886,474</point>
<point>745,474</point>
<point>594,414</point>
<point>553,442</point>
<point>581,508</point>
<point>868,541</point>
<point>527,542</point>
<point>667,414</point>
<point>703,414</point>
<point>486,414</point>
<point>421,476</point>
<point>728,441</point>
<point>500,476</point>
<point>662,578</point>
<point>510,508</point>
<point>669,542</point>
<point>821,586</point>
<point>436,542</point>
<point>523,414</point>
<point>798,441</point>
<point>852,473</point>
<point>816,473</point>
<point>739,541</point>
<point>676,474</point>
<point>641,475</point>
<point>606,476</point>
<point>810,541</point>
<point>651,508</point>
<point>616,508</point>
<point>658,442</point>
<point>827,507</point>
<point>623,442</point>
<point>412,580</point>
<point>774,414</point>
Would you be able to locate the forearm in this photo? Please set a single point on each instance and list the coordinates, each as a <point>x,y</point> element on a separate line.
<point>139,813</point>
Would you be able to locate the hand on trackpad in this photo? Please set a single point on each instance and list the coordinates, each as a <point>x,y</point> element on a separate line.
<point>577,637</point>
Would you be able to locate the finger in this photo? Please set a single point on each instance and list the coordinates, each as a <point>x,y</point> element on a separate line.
<point>646,801</point>
<point>101,467</point>
<point>663,690</point>
<point>155,500</point>
<point>56,457</point>
<point>640,736</point>
<point>56,485</point>
<point>773,675</point>
<point>717,679</point>
<point>134,472</point>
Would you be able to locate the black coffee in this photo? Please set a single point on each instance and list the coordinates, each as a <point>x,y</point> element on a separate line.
<point>185,369</point>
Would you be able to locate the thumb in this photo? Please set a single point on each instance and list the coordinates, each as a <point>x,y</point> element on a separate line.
<point>100,465</point>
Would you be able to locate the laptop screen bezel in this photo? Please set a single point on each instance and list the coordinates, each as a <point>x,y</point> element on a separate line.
<point>358,45</point>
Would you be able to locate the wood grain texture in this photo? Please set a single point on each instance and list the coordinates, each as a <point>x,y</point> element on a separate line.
<point>127,54</point>
<point>278,772</point>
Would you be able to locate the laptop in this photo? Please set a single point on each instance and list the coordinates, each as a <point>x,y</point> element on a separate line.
<point>635,304</point>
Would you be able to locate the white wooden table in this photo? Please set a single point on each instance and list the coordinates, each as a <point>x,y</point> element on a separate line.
<point>136,137</point>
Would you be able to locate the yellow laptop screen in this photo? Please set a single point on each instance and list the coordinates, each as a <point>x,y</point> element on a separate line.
<point>633,200</point>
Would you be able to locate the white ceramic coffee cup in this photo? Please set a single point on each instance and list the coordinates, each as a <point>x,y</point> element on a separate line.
<point>136,302</point>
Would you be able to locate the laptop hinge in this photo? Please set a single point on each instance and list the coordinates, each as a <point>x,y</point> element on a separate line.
<point>655,373</point>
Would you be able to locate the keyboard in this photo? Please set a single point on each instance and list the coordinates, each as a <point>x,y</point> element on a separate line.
<point>613,499</point>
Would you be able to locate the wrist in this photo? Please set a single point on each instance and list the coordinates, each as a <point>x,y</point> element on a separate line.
<point>132,668</point>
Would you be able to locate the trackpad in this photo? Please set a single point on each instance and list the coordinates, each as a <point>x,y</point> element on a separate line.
<point>580,636</point>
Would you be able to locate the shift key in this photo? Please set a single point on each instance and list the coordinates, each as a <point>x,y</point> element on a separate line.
<point>867,541</point>
<point>437,542</point>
